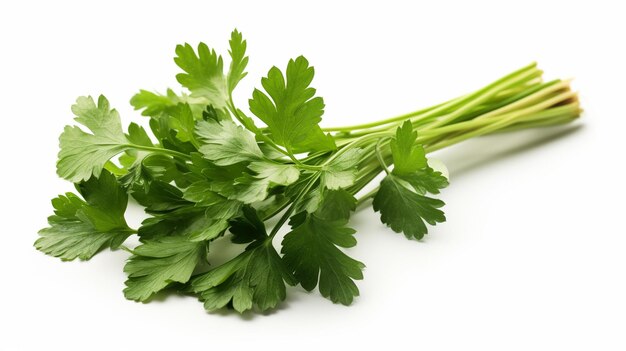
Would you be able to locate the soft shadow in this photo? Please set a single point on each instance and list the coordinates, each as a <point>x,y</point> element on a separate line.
<point>223,250</point>
<point>230,312</point>
<point>294,293</point>
<point>174,289</point>
<point>468,156</point>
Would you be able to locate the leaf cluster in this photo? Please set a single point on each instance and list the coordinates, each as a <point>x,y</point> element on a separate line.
<point>206,171</point>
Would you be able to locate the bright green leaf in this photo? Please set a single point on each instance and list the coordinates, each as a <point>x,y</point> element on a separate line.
<point>341,172</point>
<point>254,188</point>
<point>154,104</point>
<point>407,156</point>
<point>426,181</point>
<point>82,154</point>
<point>255,277</point>
<point>204,72</point>
<point>182,120</point>
<point>226,143</point>
<point>81,228</point>
<point>238,58</point>
<point>157,263</point>
<point>291,111</point>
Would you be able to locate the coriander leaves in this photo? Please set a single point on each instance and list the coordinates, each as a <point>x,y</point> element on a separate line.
<point>401,198</point>
<point>204,172</point>
<point>157,263</point>
<point>290,108</point>
<point>83,155</point>
<point>204,72</point>
<point>311,252</point>
<point>226,143</point>
<point>404,210</point>
<point>81,228</point>
<point>255,277</point>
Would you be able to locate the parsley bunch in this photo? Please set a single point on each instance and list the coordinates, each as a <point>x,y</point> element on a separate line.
<point>209,171</point>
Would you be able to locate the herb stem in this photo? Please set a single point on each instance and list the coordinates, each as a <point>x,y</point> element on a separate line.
<point>283,219</point>
<point>159,150</point>
<point>500,86</point>
<point>380,157</point>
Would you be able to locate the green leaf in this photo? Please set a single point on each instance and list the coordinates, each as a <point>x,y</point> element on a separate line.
<point>341,172</point>
<point>336,205</point>
<point>183,122</point>
<point>163,108</point>
<point>107,202</point>
<point>154,104</point>
<point>310,251</point>
<point>249,189</point>
<point>271,205</point>
<point>204,72</point>
<point>215,205</point>
<point>404,210</point>
<point>81,228</point>
<point>254,188</point>
<point>426,181</point>
<point>82,154</point>
<point>138,136</point>
<point>204,75</point>
<point>178,222</point>
<point>205,228</point>
<point>140,168</point>
<point>220,179</point>
<point>275,173</point>
<point>148,168</point>
<point>161,197</point>
<point>291,112</point>
<point>157,263</point>
<point>401,198</point>
<point>226,143</point>
<point>194,223</point>
<point>197,213</point>
<point>255,277</point>
<point>200,192</point>
<point>239,60</point>
<point>327,204</point>
<point>407,156</point>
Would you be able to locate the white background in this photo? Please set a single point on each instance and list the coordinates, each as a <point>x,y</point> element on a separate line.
<point>532,256</point>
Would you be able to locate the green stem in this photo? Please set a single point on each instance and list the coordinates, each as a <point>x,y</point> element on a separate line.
<point>380,157</point>
<point>283,219</point>
<point>159,150</point>
<point>450,105</point>
<point>484,94</point>
<point>562,118</point>
<point>366,197</point>
<point>358,141</point>
<point>402,117</point>
<point>469,106</point>
<point>355,143</point>
<point>516,101</point>
<point>489,117</point>
<point>308,167</point>
<point>276,211</point>
<point>489,128</point>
